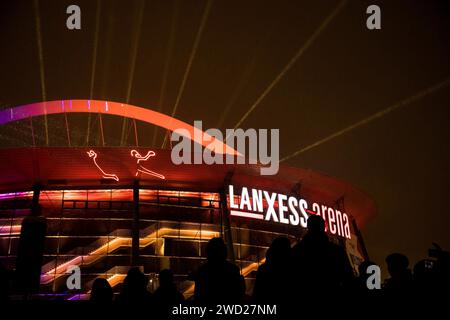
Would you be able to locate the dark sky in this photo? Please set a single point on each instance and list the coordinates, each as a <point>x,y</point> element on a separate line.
<point>346,74</point>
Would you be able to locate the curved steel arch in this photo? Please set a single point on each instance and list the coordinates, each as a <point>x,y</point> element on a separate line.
<point>114,108</point>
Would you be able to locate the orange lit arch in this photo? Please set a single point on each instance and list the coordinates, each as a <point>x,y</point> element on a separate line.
<point>113,108</point>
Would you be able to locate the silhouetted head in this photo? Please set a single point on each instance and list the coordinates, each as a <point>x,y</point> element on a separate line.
<point>397,264</point>
<point>136,279</point>
<point>101,290</point>
<point>165,278</point>
<point>316,224</point>
<point>216,250</point>
<point>279,250</point>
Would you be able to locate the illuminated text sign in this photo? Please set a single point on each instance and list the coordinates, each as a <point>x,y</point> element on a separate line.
<point>280,208</point>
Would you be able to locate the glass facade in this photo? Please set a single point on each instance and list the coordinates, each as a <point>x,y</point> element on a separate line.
<point>93,229</point>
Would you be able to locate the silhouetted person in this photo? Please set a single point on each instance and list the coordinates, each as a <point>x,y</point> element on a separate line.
<point>217,280</point>
<point>319,264</point>
<point>30,253</point>
<point>134,289</point>
<point>101,291</point>
<point>273,275</point>
<point>441,267</point>
<point>167,293</point>
<point>424,277</point>
<point>401,277</point>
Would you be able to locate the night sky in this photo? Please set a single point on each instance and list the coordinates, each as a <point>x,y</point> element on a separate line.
<point>344,73</point>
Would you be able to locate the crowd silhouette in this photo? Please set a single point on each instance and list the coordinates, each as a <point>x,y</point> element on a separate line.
<point>312,266</point>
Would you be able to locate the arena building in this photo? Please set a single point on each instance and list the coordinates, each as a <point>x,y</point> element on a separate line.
<point>105,209</point>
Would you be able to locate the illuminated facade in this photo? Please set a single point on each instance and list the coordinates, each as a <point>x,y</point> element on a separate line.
<point>108,214</point>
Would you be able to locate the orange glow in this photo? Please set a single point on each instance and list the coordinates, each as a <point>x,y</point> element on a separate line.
<point>10,230</point>
<point>252,267</point>
<point>118,242</point>
<point>116,279</point>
